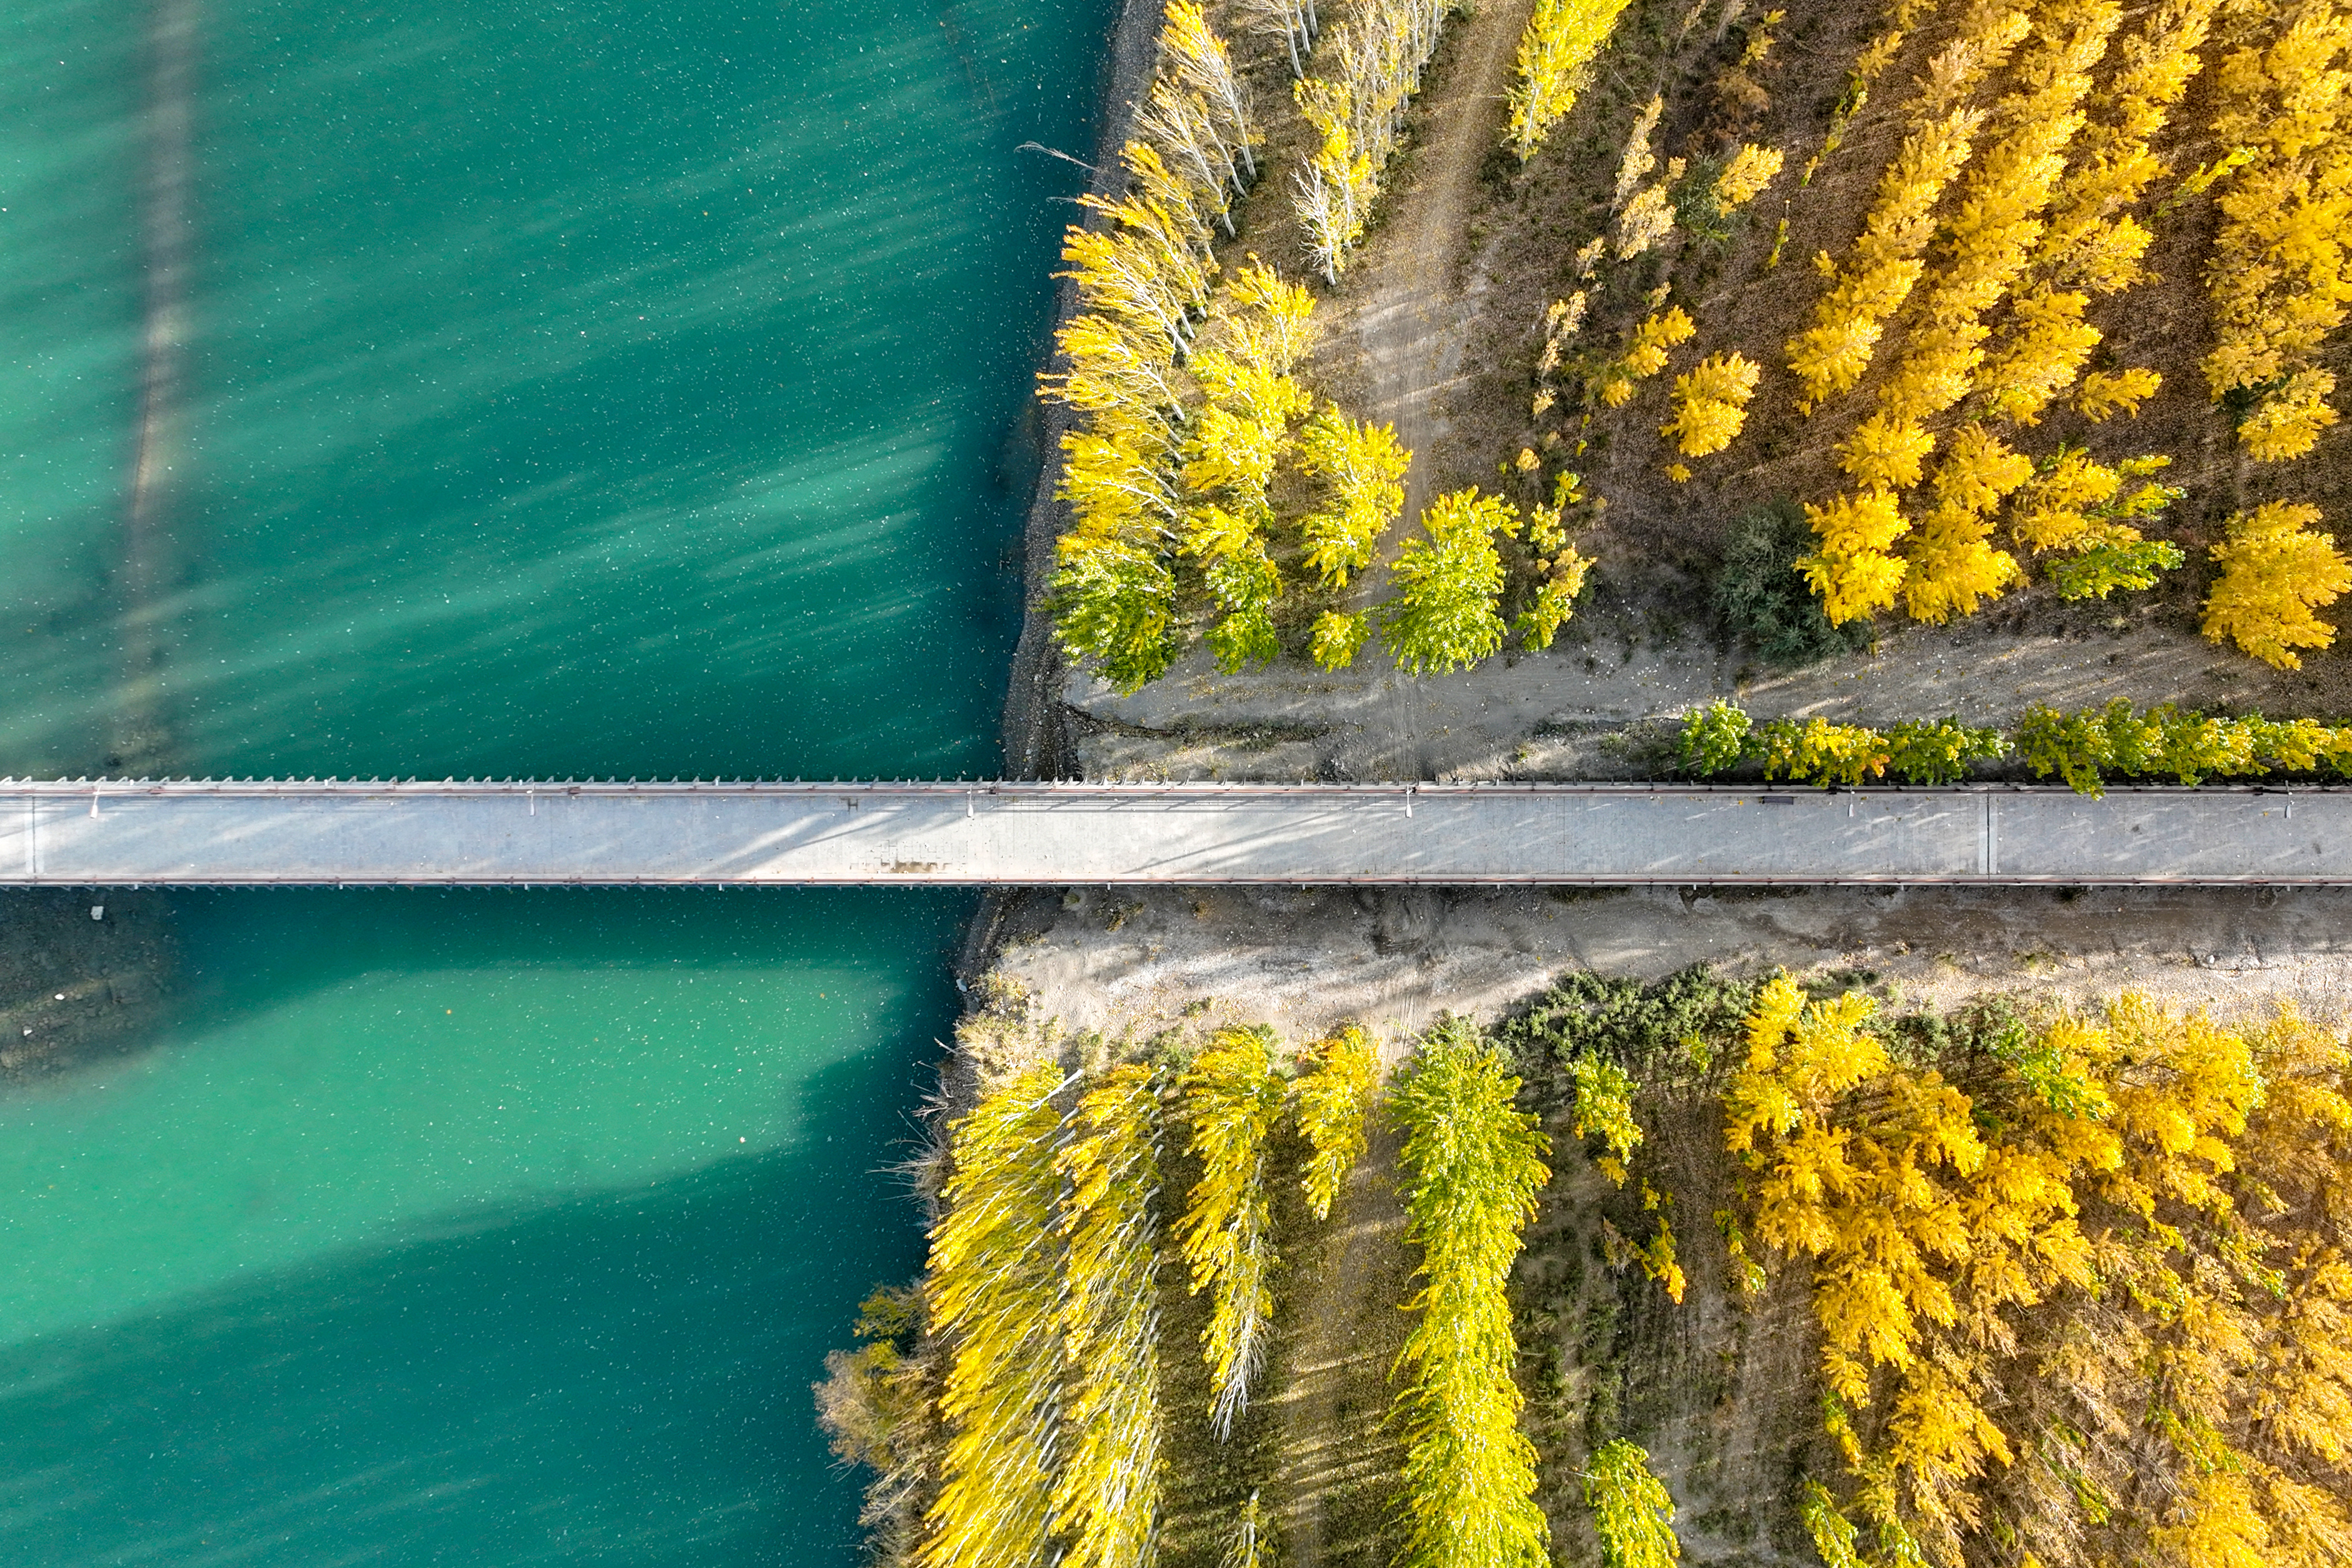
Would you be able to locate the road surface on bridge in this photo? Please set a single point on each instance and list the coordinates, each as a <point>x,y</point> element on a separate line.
<point>248,832</point>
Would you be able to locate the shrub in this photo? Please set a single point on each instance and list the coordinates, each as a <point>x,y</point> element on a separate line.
<point>1714,738</point>
<point>1939,751</point>
<point>1762,595</point>
<point>1818,751</point>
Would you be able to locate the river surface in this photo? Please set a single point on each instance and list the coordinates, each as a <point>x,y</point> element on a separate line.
<point>568,388</point>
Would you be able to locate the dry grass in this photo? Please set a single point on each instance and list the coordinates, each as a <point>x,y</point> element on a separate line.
<point>1658,539</point>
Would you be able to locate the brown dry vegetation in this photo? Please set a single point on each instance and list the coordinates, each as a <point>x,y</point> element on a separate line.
<point>1659,541</point>
<point>1438,325</point>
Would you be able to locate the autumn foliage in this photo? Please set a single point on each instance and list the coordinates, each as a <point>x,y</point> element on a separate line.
<point>2064,1310</point>
<point>2275,573</point>
<point>1474,1164</point>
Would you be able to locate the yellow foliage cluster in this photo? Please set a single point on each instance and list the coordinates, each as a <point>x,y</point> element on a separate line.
<point>1335,1101</point>
<point>1363,468</point>
<point>1232,1099</point>
<point>2074,502</point>
<point>1711,404</point>
<point>1260,328</point>
<point>1829,355</point>
<point>1952,564</point>
<point>1745,176</point>
<point>1142,279</point>
<point>2092,244</point>
<point>1646,355</point>
<point>2057,1300</point>
<point>1886,260</point>
<point>2275,573</point>
<point>1042,1285</point>
<point>1107,1498</point>
<point>1853,569</point>
<point>2279,278</point>
<point>1556,54</point>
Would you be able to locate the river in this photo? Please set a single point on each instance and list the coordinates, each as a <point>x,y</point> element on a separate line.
<point>579,388</point>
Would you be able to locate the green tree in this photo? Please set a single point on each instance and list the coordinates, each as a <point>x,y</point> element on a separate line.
<point>1444,615</point>
<point>1631,1509</point>
<point>1474,1164</point>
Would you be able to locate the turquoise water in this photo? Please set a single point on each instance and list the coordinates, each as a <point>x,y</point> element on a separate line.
<point>577,388</point>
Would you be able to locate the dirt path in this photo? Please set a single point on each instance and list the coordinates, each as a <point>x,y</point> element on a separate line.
<point>1411,310</point>
<point>1336,1458</point>
<point>1411,306</point>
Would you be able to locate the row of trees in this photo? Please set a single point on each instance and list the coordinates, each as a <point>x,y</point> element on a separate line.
<point>1370,66</point>
<point>1474,1164</point>
<point>1043,1282</point>
<point>1990,237</point>
<point>1143,272</point>
<point>2092,244</point>
<point>2084,748</point>
<point>2279,278</point>
<point>2085,1304</point>
<point>1191,396</point>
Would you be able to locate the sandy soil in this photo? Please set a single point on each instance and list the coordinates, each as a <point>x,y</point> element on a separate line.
<point>1306,960</point>
<point>1553,715</point>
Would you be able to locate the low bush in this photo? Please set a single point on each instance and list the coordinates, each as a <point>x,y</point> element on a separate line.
<point>1762,596</point>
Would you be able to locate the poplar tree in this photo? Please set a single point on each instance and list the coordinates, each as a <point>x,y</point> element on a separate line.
<point>1335,1101</point>
<point>1555,57</point>
<point>1231,1100</point>
<point>1105,1499</point>
<point>1362,467</point>
<point>991,1284</point>
<point>1474,1164</point>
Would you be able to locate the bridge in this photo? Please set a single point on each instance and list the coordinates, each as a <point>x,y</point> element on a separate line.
<point>243,833</point>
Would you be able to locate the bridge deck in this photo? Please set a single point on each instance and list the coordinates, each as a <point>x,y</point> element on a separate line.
<point>115,833</point>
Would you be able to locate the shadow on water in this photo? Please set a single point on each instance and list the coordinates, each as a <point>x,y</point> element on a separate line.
<point>249,952</point>
<point>620,1378</point>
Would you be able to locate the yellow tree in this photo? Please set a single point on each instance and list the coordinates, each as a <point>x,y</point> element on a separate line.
<point>1645,355</point>
<point>1107,1497</point>
<point>1561,39</point>
<point>1442,617</point>
<point>1362,467</point>
<point>2275,573</point>
<point>1334,1100</point>
<point>1745,176</point>
<point>1952,564</point>
<point>1711,404</point>
<point>994,1278</point>
<point>1852,570</point>
<point>1230,1100</point>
